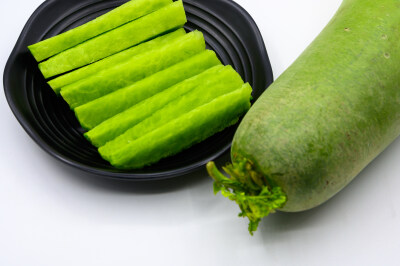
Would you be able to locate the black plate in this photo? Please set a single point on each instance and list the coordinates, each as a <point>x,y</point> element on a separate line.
<point>229,31</point>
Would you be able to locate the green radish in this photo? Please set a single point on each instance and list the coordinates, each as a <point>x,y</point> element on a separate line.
<point>86,71</point>
<point>324,120</point>
<point>183,132</point>
<point>165,19</point>
<point>117,125</point>
<point>95,112</point>
<point>125,13</point>
<point>223,82</point>
<point>137,68</point>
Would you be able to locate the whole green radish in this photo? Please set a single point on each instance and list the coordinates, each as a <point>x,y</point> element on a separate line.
<point>324,120</point>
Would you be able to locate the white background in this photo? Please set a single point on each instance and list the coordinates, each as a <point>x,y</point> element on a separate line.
<point>51,214</point>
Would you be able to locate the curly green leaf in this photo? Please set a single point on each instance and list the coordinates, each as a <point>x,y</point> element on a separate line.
<point>249,189</point>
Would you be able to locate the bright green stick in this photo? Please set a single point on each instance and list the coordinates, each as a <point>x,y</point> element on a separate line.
<point>95,112</point>
<point>86,71</point>
<point>183,132</point>
<point>113,19</point>
<point>137,68</point>
<point>223,82</point>
<point>117,125</point>
<point>165,19</point>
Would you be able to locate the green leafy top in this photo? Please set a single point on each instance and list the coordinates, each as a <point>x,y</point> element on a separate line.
<point>249,189</point>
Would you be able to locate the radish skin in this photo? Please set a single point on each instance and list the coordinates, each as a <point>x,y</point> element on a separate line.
<point>325,119</point>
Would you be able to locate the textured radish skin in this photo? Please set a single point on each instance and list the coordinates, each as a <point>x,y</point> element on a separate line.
<point>113,19</point>
<point>183,132</point>
<point>117,125</point>
<point>108,62</point>
<point>95,112</point>
<point>163,20</point>
<point>333,111</point>
<point>137,68</point>
<point>223,82</point>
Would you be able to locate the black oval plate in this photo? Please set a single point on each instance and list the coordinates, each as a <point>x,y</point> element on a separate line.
<point>229,31</point>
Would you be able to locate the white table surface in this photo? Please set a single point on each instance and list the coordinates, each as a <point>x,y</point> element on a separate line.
<point>51,214</point>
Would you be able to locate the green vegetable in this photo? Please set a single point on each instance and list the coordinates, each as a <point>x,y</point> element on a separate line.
<point>113,19</point>
<point>95,112</point>
<point>137,68</point>
<point>165,19</point>
<point>183,132</point>
<point>117,125</point>
<point>223,82</point>
<point>113,60</point>
<point>324,120</point>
